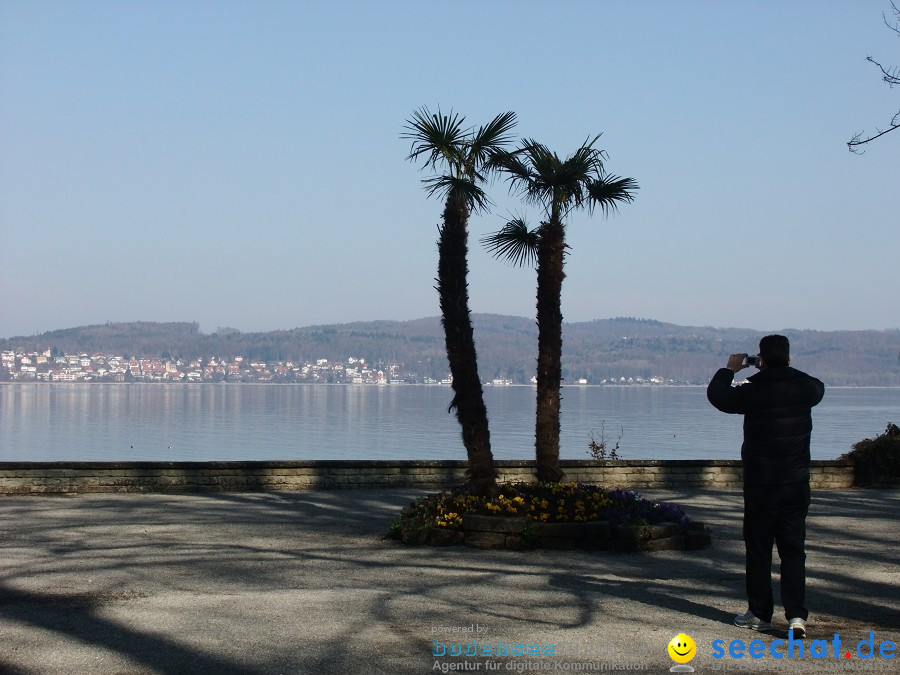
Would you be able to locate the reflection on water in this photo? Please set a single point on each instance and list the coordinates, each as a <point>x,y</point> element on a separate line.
<point>41,422</point>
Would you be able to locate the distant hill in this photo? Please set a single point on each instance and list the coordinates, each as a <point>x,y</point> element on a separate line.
<point>595,350</point>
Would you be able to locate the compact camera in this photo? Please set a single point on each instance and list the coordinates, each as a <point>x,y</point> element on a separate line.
<point>752,361</point>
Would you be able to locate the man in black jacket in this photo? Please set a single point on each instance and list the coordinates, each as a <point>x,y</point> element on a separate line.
<point>776,404</point>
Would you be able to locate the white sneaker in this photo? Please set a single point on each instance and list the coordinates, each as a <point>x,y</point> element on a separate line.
<point>797,625</point>
<point>751,621</point>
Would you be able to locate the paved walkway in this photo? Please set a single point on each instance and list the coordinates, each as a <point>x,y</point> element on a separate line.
<point>303,583</point>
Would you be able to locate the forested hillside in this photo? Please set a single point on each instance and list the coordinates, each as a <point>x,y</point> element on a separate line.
<point>595,350</point>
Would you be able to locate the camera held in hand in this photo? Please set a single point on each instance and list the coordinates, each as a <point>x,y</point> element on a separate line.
<point>752,361</point>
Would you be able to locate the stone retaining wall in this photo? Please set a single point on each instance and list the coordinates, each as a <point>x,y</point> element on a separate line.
<point>75,477</point>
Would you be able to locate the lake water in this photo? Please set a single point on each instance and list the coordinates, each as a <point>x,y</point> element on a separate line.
<point>201,422</point>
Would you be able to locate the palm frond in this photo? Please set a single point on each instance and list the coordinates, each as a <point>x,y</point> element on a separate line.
<point>608,192</point>
<point>542,178</point>
<point>495,135</point>
<point>515,242</point>
<point>585,163</point>
<point>543,161</point>
<point>437,136</point>
<point>497,158</point>
<point>512,163</point>
<point>474,195</point>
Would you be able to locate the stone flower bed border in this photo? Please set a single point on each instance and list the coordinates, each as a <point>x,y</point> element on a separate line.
<point>518,532</point>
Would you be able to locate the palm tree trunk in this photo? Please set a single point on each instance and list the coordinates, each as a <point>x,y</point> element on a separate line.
<point>468,399</point>
<point>550,275</point>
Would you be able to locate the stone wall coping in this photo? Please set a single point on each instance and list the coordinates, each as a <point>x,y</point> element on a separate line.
<point>384,463</point>
<point>243,476</point>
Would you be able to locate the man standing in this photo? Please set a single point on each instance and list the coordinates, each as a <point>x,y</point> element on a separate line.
<point>776,404</point>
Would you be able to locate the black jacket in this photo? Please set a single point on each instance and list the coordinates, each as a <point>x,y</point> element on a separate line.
<point>776,405</point>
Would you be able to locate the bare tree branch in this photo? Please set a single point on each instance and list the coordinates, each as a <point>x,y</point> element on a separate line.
<point>892,76</point>
<point>857,139</point>
<point>889,75</point>
<point>896,26</point>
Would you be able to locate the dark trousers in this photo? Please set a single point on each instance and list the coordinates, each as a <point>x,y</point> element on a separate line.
<point>776,514</point>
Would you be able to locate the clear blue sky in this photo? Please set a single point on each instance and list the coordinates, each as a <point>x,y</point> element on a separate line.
<point>239,163</point>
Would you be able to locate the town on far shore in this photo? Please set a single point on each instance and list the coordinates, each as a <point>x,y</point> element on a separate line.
<point>49,366</point>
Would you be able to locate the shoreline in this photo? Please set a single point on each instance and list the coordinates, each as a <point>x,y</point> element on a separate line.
<point>388,385</point>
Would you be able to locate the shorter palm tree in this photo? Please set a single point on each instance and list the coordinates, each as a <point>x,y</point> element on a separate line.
<point>559,187</point>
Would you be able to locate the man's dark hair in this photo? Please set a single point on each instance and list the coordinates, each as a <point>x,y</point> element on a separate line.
<point>775,350</point>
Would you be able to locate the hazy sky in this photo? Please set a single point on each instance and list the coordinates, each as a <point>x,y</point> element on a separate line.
<point>240,164</point>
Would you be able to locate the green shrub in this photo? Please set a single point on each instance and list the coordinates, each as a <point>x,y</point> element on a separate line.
<point>877,460</point>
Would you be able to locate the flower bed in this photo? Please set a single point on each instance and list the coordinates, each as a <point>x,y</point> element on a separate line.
<point>548,515</point>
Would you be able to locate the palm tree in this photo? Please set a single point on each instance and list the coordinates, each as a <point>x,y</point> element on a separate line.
<point>465,156</point>
<point>558,186</point>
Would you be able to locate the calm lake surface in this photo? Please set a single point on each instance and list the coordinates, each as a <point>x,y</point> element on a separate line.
<point>97,422</point>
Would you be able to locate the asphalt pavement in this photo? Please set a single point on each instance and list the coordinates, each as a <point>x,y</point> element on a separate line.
<point>305,583</point>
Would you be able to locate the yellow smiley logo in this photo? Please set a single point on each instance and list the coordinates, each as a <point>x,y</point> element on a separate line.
<point>682,648</point>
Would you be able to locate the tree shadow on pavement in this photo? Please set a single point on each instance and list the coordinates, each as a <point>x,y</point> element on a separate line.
<point>289,561</point>
<point>72,616</point>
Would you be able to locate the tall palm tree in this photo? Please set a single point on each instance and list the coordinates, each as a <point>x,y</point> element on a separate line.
<point>464,154</point>
<point>559,187</point>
